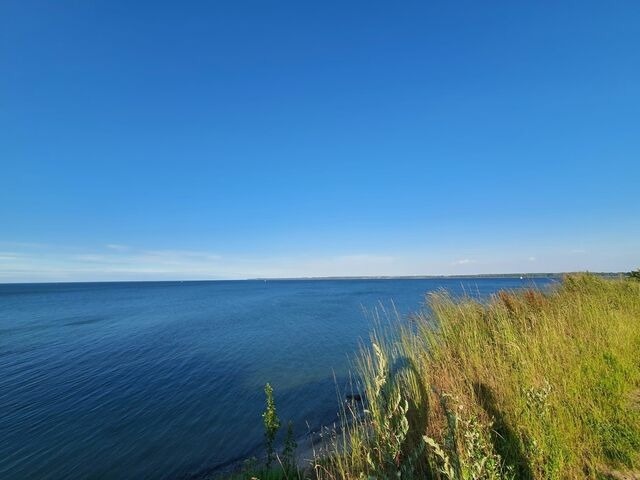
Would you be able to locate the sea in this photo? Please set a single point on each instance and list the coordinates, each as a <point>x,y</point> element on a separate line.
<point>164,380</point>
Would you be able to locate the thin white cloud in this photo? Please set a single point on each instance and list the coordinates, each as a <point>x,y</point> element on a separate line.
<point>463,261</point>
<point>63,264</point>
<point>182,254</point>
<point>10,254</point>
<point>117,247</point>
<point>150,264</point>
<point>20,245</point>
<point>68,263</point>
<point>364,258</point>
<point>91,257</point>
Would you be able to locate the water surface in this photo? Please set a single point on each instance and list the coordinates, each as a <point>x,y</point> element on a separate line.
<point>164,379</point>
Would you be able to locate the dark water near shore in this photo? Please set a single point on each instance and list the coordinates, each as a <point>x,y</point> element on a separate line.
<point>160,380</point>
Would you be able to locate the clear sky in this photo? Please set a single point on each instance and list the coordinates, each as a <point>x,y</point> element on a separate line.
<point>194,140</point>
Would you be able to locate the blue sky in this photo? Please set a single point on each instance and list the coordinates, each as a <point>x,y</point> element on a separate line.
<point>193,140</point>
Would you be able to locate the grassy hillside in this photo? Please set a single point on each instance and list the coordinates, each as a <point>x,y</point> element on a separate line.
<point>529,385</point>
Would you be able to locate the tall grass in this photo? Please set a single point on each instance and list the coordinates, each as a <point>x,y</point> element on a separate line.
<point>530,385</point>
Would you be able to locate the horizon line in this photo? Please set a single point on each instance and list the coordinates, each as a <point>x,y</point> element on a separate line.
<point>341,277</point>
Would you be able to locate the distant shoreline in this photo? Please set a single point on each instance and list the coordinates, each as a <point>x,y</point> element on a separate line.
<point>440,277</point>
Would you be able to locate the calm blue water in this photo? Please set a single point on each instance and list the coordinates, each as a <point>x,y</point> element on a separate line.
<point>160,380</point>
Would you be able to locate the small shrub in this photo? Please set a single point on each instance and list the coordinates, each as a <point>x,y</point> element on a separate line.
<point>289,450</point>
<point>271,423</point>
